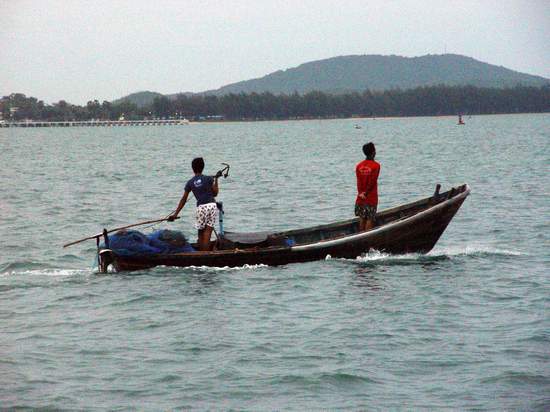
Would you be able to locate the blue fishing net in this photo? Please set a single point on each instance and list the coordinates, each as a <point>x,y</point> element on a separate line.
<point>132,242</point>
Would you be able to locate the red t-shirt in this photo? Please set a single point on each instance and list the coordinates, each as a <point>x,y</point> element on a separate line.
<point>367,173</point>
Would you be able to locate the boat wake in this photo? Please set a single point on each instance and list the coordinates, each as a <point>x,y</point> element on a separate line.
<point>474,250</point>
<point>38,269</point>
<point>373,257</point>
<point>211,268</point>
<point>438,254</point>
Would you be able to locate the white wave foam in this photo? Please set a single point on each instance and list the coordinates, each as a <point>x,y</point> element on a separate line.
<point>216,269</point>
<point>473,249</point>
<point>375,255</point>
<point>445,252</point>
<point>46,272</point>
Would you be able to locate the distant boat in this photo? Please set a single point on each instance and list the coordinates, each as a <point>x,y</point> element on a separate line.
<point>357,126</point>
<point>460,121</point>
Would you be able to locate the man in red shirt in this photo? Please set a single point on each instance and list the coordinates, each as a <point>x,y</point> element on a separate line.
<point>366,202</point>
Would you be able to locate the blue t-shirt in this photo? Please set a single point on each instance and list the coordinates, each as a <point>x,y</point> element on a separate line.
<point>201,186</point>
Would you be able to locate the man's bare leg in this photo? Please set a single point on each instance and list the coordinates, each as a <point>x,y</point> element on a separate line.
<point>199,238</point>
<point>204,238</point>
<point>365,224</point>
<point>369,224</point>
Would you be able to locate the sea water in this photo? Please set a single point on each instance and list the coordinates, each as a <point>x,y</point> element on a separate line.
<point>465,327</point>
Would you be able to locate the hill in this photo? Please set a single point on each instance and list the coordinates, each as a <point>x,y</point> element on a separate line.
<point>375,72</point>
<point>140,99</point>
<point>146,98</point>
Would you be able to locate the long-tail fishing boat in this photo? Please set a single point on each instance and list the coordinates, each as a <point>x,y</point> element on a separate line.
<point>410,228</point>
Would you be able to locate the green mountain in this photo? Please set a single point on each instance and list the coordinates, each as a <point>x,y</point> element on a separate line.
<point>140,99</point>
<point>360,72</point>
<point>146,98</point>
<point>375,72</point>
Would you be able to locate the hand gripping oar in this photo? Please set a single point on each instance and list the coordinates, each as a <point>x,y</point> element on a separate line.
<point>117,229</point>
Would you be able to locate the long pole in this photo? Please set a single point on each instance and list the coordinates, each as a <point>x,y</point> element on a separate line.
<point>147,222</point>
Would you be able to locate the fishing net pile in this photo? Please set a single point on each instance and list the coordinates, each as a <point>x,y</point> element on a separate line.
<point>133,242</point>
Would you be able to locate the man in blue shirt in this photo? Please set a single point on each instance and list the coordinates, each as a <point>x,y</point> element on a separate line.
<point>205,189</point>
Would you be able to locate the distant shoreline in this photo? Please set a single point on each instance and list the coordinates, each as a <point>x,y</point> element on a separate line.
<point>427,101</point>
<point>185,122</point>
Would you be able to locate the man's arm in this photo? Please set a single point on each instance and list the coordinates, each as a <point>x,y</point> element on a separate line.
<point>215,188</point>
<point>372,181</point>
<point>359,183</point>
<point>181,204</point>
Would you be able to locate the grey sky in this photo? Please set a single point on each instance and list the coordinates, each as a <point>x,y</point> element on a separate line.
<point>105,49</point>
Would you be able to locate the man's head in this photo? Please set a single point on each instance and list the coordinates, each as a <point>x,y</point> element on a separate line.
<point>369,150</point>
<point>197,164</point>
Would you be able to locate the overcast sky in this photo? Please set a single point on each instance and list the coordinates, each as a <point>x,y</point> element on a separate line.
<point>105,49</point>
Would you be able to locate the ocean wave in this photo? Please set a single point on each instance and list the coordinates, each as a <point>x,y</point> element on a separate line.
<point>11,267</point>
<point>518,378</point>
<point>543,337</point>
<point>334,378</point>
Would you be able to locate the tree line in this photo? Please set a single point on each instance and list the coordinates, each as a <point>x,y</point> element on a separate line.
<point>422,101</point>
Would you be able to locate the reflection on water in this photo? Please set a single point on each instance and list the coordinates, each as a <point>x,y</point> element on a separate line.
<point>203,282</point>
<point>365,277</point>
<point>191,281</point>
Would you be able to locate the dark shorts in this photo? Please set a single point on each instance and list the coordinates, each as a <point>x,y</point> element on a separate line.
<point>366,212</point>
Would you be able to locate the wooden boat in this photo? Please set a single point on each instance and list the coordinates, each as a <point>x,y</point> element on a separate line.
<point>411,228</point>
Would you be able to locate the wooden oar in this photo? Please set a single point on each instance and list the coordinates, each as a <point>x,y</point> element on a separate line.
<point>117,229</point>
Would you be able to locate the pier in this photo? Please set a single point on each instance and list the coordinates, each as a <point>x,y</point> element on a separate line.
<point>95,123</point>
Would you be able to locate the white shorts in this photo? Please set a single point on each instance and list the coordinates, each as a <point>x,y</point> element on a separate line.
<point>206,215</point>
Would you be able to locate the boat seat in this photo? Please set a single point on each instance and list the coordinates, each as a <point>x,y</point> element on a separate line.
<point>246,237</point>
<point>245,240</point>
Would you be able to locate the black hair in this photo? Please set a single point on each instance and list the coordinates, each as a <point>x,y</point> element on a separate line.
<point>369,150</point>
<point>197,164</point>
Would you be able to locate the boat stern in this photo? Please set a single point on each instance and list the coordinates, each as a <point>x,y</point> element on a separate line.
<point>105,258</point>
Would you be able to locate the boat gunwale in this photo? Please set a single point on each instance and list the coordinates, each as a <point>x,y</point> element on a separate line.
<point>337,241</point>
<point>325,243</point>
<point>382,213</point>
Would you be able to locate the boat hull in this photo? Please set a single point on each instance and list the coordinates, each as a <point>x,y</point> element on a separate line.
<point>417,233</point>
